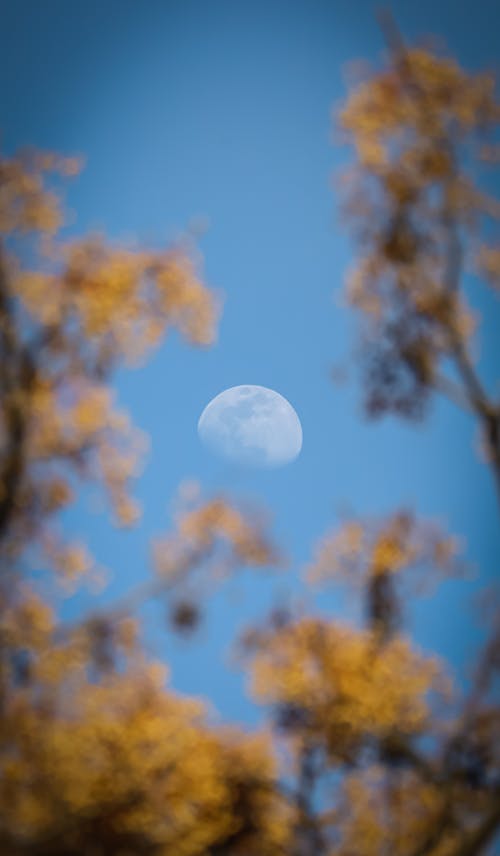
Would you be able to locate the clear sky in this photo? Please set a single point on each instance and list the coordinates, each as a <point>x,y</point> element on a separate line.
<point>220,112</point>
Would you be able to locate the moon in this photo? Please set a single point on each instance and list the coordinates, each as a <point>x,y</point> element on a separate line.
<point>252,426</point>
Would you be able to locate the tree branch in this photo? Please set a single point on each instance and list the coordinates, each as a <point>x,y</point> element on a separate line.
<point>19,373</point>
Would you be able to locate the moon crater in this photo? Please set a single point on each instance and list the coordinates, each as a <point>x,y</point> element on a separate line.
<point>252,426</point>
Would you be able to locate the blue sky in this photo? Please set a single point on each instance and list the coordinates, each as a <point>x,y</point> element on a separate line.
<point>219,113</point>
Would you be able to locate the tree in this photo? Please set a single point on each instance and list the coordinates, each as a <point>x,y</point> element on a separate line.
<point>369,749</point>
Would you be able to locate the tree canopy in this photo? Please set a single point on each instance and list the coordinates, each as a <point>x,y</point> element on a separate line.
<point>370,748</point>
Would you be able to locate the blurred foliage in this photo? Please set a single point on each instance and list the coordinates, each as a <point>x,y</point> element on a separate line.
<point>369,748</point>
